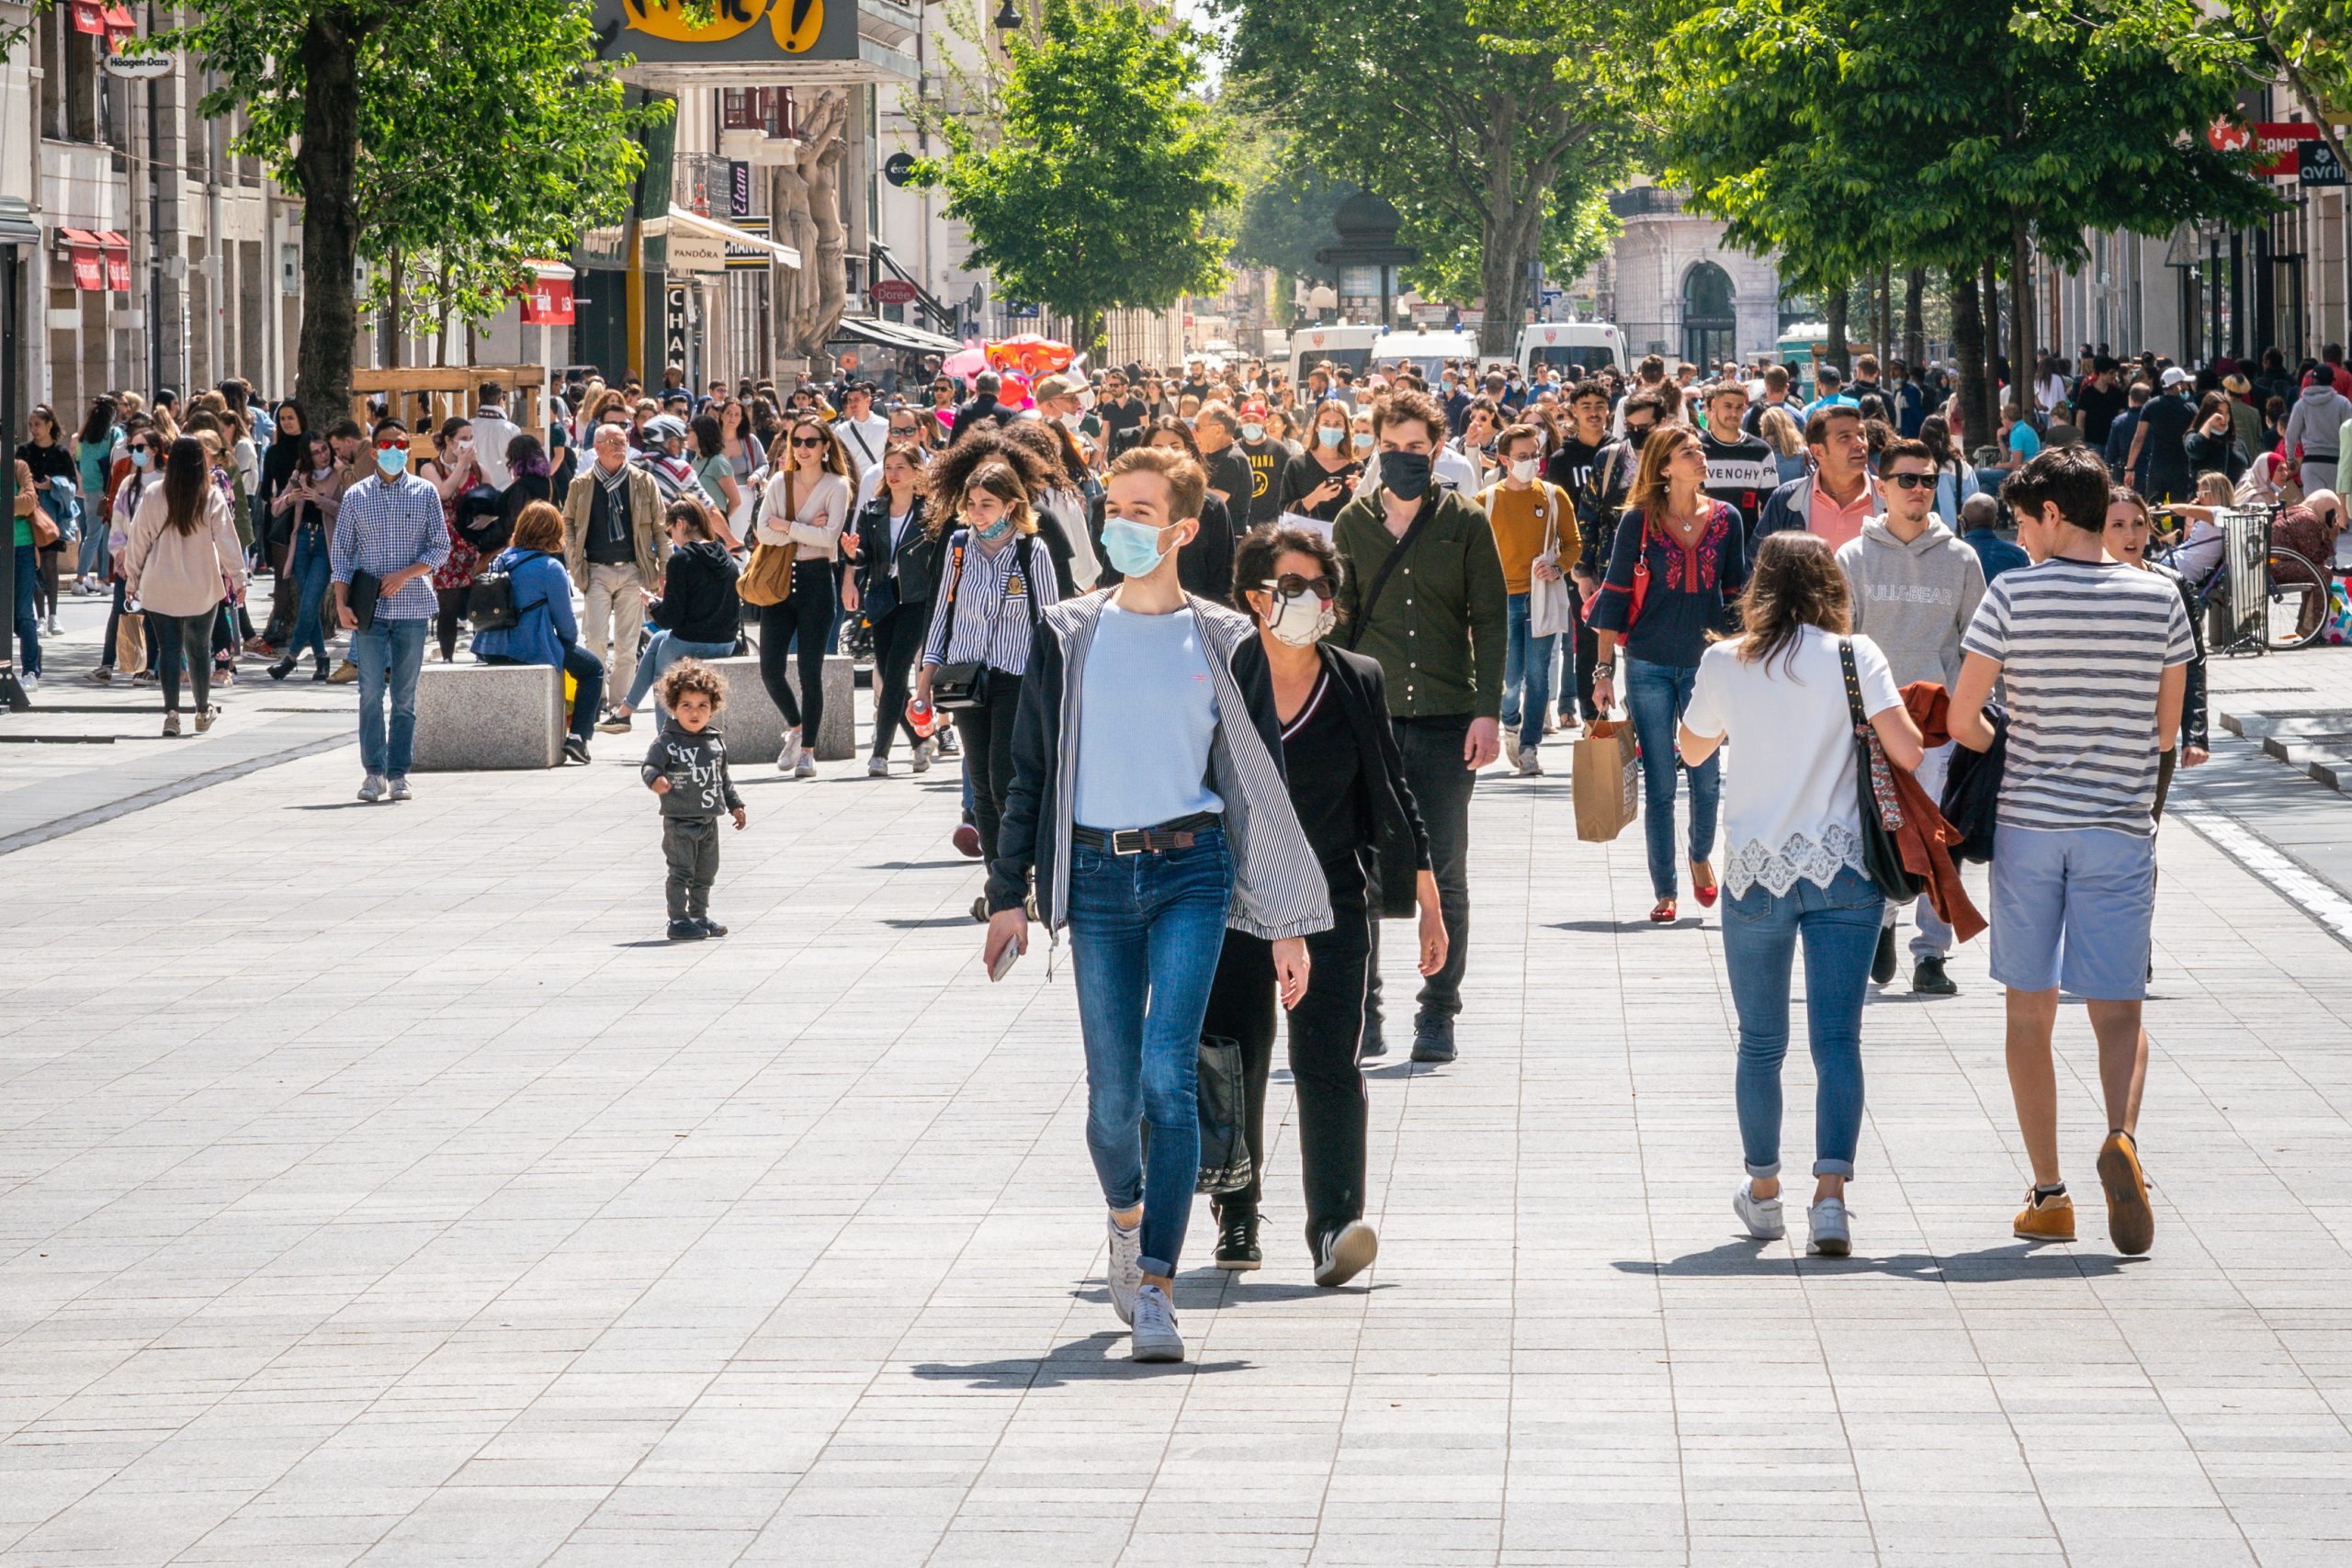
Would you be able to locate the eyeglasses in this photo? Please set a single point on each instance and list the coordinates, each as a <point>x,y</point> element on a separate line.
<point>1910,481</point>
<point>390,444</point>
<point>811,441</point>
<point>1290,584</point>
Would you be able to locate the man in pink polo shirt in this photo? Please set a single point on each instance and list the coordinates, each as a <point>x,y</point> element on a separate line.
<point>1836,498</point>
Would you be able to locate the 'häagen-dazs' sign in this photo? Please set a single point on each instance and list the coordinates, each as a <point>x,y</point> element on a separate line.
<point>729,31</point>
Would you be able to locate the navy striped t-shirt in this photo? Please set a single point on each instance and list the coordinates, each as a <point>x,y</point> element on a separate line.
<point>2082,647</point>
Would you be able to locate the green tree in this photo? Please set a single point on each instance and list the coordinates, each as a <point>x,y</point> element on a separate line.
<point>1092,187</point>
<point>1847,136</point>
<point>474,133</point>
<point>1504,125</point>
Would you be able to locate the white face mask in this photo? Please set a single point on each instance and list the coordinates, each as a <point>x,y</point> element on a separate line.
<point>1300,619</point>
<point>1524,470</point>
<point>1253,434</point>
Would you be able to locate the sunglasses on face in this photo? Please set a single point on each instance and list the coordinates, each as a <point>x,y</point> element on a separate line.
<point>806,441</point>
<point>1290,584</point>
<point>391,444</point>
<point>1912,481</point>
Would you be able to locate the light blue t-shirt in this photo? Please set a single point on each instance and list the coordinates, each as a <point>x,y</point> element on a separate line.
<point>1147,714</point>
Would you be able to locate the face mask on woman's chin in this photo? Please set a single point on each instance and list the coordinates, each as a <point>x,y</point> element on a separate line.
<point>989,533</point>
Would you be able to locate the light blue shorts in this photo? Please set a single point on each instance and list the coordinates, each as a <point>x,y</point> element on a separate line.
<point>2072,907</point>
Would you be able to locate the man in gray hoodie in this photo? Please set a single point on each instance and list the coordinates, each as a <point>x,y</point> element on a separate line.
<point>2312,425</point>
<point>1915,585</point>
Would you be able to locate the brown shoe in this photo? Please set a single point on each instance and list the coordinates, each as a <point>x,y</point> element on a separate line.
<point>2046,1219</point>
<point>2130,1223</point>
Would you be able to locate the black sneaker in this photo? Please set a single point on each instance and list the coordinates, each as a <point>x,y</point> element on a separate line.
<point>1433,1037</point>
<point>709,927</point>
<point>686,931</point>
<point>575,749</point>
<point>1928,979</point>
<point>1373,1046</point>
<point>1883,962</point>
<point>319,676</point>
<point>282,669</point>
<point>1343,1253</point>
<point>1236,1242</point>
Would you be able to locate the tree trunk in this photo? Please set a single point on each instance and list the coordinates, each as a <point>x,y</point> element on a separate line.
<point>1991,282</point>
<point>1915,334</point>
<point>2022,371</point>
<point>325,167</point>
<point>1885,291</point>
<point>1834,351</point>
<point>1975,398</point>
<point>1510,228</point>
<point>396,312</point>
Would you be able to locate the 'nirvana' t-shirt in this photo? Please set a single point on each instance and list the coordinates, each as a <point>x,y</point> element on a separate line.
<point>2082,647</point>
<point>1263,504</point>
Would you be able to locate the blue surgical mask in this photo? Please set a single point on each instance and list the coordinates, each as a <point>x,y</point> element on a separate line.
<point>1331,435</point>
<point>138,457</point>
<point>1253,434</point>
<point>1134,548</point>
<point>391,460</point>
<point>1363,440</point>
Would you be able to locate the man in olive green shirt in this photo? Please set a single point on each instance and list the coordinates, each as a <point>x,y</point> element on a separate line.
<point>1439,627</point>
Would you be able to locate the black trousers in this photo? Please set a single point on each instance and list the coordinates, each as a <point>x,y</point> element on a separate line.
<point>987,754</point>
<point>1325,1030</point>
<point>1441,785</point>
<point>803,618</point>
<point>1588,654</point>
<point>898,637</point>
<point>446,619</point>
<point>179,637</point>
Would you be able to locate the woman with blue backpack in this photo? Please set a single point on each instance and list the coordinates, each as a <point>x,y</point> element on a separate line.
<point>539,626</point>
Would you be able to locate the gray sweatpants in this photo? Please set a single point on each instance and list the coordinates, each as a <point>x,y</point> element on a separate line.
<point>691,846</point>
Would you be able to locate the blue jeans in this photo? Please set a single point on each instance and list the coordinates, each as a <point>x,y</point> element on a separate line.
<point>28,559</point>
<point>1527,663</point>
<point>388,654</point>
<point>309,569</point>
<point>587,673</point>
<point>1144,934</point>
<point>1839,924</point>
<point>92,561</point>
<point>1655,695</point>
<point>662,650</point>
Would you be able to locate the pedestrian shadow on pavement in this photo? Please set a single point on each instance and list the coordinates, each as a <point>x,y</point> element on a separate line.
<point>335,806</point>
<point>1992,1266</point>
<point>948,864</point>
<point>935,922</point>
<point>1098,1357</point>
<point>1644,923</point>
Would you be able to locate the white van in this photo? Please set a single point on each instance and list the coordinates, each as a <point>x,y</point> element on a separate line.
<point>1343,345</point>
<point>1426,350</point>
<point>1569,344</point>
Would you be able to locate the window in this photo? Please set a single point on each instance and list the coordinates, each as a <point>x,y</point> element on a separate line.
<point>1710,325</point>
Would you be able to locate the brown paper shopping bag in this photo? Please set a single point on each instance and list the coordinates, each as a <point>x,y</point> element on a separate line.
<point>1607,781</point>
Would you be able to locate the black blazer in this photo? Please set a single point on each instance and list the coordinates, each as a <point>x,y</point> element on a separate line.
<point>1400,845</point>
<point>918,556</point>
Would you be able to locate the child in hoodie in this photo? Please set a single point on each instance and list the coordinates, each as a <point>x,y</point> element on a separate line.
<point>1915,587</point>
<point>686,766</point>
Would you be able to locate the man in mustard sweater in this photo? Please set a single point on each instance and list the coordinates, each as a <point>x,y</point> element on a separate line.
<point>1535,530</point>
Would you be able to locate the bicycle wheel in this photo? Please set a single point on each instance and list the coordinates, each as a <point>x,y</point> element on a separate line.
<point>2296,605</point>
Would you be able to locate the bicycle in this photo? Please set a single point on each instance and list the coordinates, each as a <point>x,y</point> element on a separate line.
<point>2258,597</point>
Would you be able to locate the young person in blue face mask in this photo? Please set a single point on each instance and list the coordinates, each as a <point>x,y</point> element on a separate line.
<point>1147,801</point>
<point>388,535</point>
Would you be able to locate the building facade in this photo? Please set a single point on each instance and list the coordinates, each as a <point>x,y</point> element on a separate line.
<point>1677,290</point>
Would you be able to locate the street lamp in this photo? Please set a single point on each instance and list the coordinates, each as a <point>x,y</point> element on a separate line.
<point>1006,17</point>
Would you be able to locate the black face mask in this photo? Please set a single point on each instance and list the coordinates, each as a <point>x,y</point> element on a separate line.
<point>1405,475</point>
<point>1637,434</point>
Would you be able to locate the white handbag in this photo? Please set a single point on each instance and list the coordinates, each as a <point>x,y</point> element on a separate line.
<point>1549,612</point>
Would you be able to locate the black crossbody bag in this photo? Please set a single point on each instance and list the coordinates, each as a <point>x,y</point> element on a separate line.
<point>1380,577</point>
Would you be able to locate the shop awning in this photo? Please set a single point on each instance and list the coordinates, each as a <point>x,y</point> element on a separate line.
<point>895,335</point>
<point>709,255</point>
<point>88,256</point>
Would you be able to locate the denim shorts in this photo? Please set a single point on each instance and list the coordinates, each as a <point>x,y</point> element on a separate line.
<point>2072,907</point>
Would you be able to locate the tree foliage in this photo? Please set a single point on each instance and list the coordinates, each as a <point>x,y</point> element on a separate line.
<point>466,135</point>
<point>1501,120</point>
<point>1092,188</point>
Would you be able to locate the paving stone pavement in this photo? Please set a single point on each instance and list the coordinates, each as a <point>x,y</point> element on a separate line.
<point>377,1187</point>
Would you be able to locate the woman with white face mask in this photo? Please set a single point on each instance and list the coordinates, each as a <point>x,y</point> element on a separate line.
<point>1347,783</point>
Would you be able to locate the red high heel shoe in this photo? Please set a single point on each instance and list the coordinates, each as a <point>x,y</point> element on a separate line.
<point>1703,884</point>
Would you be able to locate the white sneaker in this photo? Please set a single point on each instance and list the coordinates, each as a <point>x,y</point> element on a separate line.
<point>806,769</point>
<point>1761,1215</point>
<point>788,757</point>
<point>922,758</point>
<point>400,787</point>
<point>1510,745</point>
<point>1155,1338</point>
<point>1124,1272</point>
<point>371,789</point>
<point>877,767</point>
<point>1827,1220</point>
<point>1531,765</point>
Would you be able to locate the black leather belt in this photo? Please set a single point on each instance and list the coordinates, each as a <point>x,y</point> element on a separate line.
<point>1178,833</point>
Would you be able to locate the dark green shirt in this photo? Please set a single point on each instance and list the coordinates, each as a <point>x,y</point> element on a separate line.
<point>1441,624</point>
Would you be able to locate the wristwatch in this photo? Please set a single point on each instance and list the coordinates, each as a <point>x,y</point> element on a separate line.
<point>1605,671</point>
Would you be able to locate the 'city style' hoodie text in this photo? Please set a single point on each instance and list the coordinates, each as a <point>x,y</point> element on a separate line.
<point>1913,600</point>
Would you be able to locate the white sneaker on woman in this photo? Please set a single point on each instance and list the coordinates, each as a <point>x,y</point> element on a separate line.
<point>1832,1236</point>
<point>1124,1272</point>
<point>787,759</point>
<point>1155,1337</point>
<point>922,757</point>
<point>1761,1215</point>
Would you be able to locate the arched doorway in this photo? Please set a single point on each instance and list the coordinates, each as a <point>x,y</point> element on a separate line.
<point>1709,326</point>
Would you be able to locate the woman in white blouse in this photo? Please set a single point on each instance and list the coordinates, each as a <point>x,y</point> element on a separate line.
<point>806,506</point>
<point>1795,867</point>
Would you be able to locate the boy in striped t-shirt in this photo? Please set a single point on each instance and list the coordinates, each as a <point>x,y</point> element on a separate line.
<point>2095,658</point>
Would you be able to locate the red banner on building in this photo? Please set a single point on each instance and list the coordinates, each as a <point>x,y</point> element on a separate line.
<point>549,304</point>
<point>117,256</point>
<point>89,17</point>
<point>2275,140</point>
<point>88,257</point>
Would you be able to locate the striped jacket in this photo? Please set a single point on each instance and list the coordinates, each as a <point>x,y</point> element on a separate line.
<point>1278,884</point>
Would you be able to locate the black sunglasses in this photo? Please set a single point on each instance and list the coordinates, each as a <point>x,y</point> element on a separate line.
<point>1290,584</point>
<point>808,441</point>
<point>1911,481</point>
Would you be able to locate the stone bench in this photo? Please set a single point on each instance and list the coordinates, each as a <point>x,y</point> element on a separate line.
<point>475,717</point>
<point>754,729</point>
